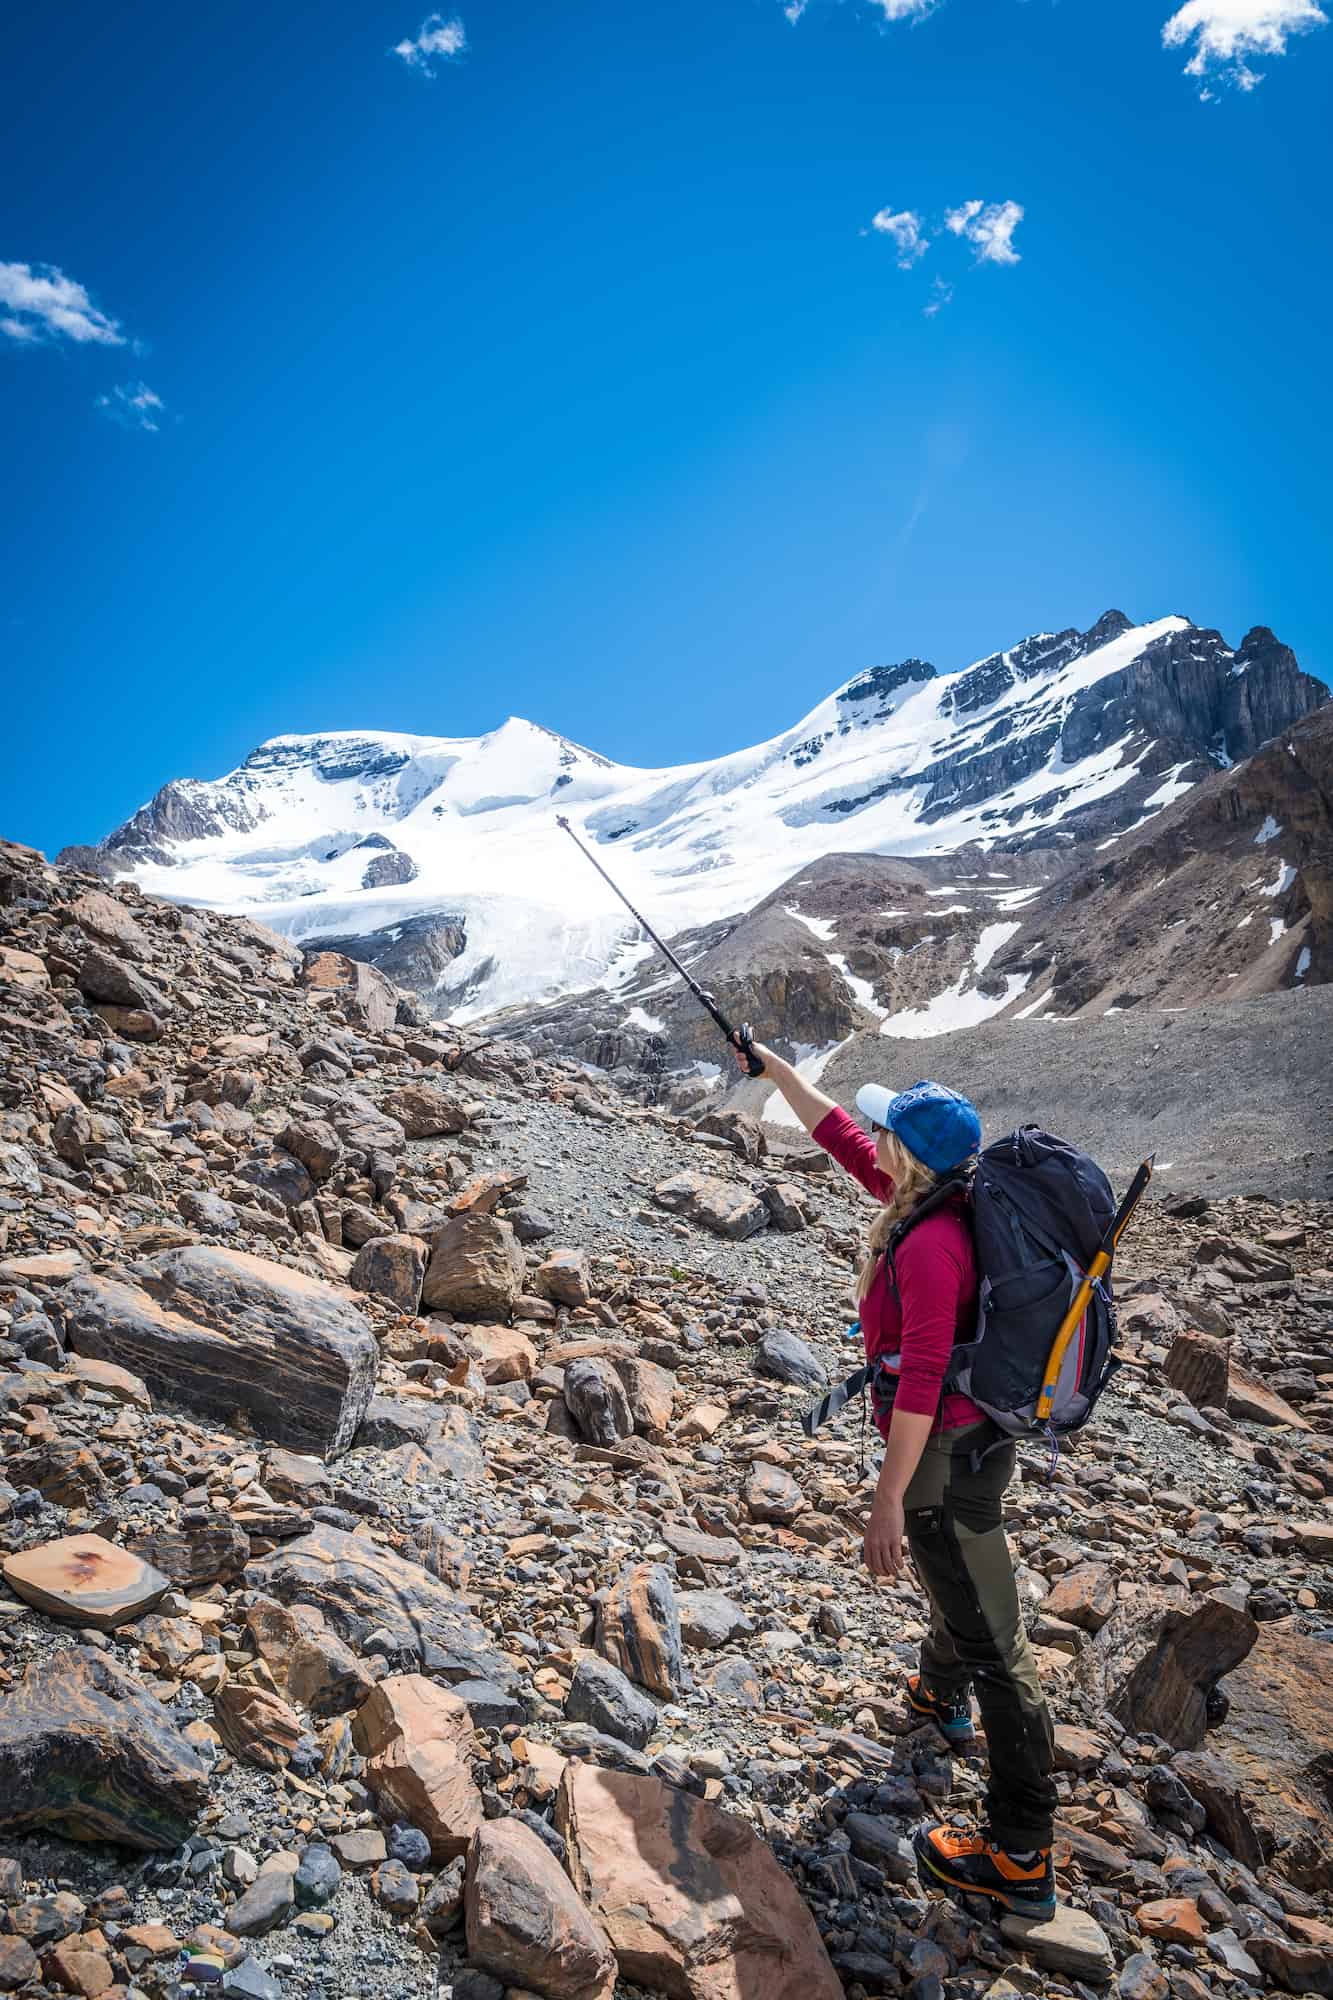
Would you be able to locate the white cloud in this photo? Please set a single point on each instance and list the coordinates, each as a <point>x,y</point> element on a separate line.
<point>892,10</point>
<point>990,227</point>
<point>134,405</point>
<point>1225,34</point>
<point>905,229</point>
<point>435,41</point>
<point>940,294</point>
<point>44,304</point>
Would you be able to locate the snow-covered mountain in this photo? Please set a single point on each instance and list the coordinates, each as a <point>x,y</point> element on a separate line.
<point>440,856</point>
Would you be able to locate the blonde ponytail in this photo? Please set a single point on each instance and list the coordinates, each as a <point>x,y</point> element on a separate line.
<point>912,1182</point>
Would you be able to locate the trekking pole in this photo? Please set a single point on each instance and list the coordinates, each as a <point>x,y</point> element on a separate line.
<point>740,1038</point>
<point>1098,1268</point>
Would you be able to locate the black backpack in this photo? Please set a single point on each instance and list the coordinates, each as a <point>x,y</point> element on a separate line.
<point>1042,1212</point>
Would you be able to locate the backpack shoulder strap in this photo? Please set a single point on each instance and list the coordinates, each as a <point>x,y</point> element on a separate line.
<point>937,1199</point>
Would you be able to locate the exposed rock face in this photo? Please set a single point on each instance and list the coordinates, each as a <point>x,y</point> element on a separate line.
<point>221,1331</point>
<point>87,1751</point>
<point>694,1904</point>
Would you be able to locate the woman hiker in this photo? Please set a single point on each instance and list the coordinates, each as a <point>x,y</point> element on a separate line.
<point>932,1493</point>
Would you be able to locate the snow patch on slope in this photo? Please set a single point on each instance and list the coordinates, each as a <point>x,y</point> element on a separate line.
<point>688,844</point>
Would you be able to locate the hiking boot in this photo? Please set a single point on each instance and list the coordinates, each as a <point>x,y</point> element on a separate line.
<point>971,1862</point>
<point>951,1715</point>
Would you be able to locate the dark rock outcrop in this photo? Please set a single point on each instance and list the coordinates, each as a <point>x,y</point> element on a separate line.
<point>87,1751</point>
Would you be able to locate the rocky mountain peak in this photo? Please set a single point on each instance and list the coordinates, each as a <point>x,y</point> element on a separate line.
<point>1109,626</point>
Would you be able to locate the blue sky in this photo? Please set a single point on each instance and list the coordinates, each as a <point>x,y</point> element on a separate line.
<point>565,373</point>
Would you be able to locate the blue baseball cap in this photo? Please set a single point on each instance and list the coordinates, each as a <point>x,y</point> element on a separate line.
<point>941,1128</point>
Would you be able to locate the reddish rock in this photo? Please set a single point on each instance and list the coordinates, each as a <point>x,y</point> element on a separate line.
<point>1174,1919</point>
<point>256,1726</point>
<point>770,1494</point>
<point>503,1353</point>
<point>566,1278</point>
<point>86,1580</point>
<point>694,1903</point>
<point>476,1268</point>
<point>73,1968</point>
<point>1198,1365</point>
<point>1084,1596</point>
<point>415,1737</point>
<point>426,1112</point>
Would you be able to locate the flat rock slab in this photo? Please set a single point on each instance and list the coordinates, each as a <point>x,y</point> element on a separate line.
<point>362,1587</point>
<point>86,1750</point>
<point>1070,1941</point>
<point>86,1579</point>
<point>722,1206</point>
<point>220,1331</point>
<point>695,1905</point>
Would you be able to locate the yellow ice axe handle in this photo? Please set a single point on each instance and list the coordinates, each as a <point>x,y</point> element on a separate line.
<point>1100,1264</point>
<point>1098,1268</point>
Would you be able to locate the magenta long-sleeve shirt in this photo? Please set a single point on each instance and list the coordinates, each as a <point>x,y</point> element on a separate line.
<point>936,1301</point>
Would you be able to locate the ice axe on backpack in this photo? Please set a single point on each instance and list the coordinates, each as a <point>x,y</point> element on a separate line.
<point>739,1038</point>
<point>1097,1269</point>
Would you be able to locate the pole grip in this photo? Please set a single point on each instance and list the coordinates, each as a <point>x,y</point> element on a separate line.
<point>743,1038</point>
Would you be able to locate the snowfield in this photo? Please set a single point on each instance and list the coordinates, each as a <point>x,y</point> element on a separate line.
<point>285,834</point>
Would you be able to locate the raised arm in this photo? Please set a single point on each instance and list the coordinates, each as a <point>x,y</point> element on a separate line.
<point>809,1104</point>
<point>828,1124</point>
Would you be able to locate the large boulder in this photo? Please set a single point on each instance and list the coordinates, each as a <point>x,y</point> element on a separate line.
<point>104,977</point>
<point>366,997</point>
<point>525,1923</point>
<point>476,1269</point>
<point>696,1906</point>
<point>220,1332</point>
<point>415,1737</point>
<point>86,1750</point>
<point>362,1587</point>
<point>363,1127</point>
<point>638,1629</point>
<point>425,1111</point>
<point>1155,1661</point>
<point>720,1206</point>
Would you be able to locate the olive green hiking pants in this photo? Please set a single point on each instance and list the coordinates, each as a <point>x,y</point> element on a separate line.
<point>956,1535</point>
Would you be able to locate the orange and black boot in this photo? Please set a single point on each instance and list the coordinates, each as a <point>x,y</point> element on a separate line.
<point>1023,1882</point>
<point>951,1715</point>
